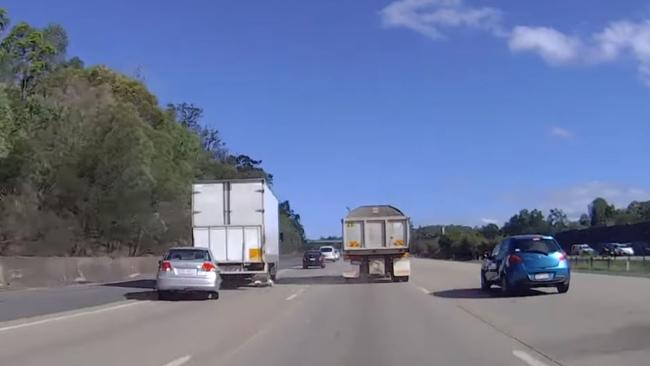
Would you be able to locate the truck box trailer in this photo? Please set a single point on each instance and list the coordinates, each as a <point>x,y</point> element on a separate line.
<point>238,220</point>
<point>377,238</point>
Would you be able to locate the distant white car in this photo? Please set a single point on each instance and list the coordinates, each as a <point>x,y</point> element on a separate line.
<point>330,253</point>
<point>623,249</point>
<point>582,249</point>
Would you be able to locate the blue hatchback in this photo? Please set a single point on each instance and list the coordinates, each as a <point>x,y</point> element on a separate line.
<point>526,261</point>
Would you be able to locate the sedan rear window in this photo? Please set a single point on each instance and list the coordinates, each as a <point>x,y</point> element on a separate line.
<point>188,255</point>
<point>325,250</point>
<point>541,245</point>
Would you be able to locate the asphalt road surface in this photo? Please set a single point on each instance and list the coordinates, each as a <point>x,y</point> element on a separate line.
<point>312,317</point>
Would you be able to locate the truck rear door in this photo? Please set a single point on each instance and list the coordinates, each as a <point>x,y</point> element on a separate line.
<point>247,212</point>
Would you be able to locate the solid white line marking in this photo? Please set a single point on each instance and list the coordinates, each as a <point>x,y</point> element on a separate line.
<point>179,361</point>
<point>424,290</point>
<point>132,275</point>
<point>530,360</point>
<point>70,316</point>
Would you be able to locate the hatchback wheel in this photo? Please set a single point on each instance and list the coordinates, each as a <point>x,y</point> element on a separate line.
<point>213,295</point>
<point>563,288</point>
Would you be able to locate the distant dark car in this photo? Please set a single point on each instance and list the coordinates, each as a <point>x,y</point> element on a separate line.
<point>313,258</point>
<point>607,249</point>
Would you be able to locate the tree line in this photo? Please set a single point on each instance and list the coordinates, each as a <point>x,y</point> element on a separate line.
<point>91,163</point>
<point>465,242</point>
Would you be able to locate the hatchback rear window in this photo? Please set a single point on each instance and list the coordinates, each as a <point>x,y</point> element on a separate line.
<point>325,250</point>
<point>188,255</point>
<point>536,245</point>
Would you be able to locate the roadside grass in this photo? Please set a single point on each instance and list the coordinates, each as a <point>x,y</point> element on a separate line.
<point>619,267</point>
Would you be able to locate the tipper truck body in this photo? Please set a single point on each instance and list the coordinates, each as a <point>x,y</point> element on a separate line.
<point>377,239</point>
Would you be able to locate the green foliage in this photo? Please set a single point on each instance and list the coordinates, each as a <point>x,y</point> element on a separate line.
<point>601,212</point>
<point>454,241</point>
<point>291,229</point>
<point>6,126</point>
<point>28,55</point>
<point>89,162</point>
<point>4,20</point>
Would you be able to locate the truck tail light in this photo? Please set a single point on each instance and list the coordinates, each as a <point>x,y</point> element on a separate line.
<point>165,266</point>
<point>208,267</point>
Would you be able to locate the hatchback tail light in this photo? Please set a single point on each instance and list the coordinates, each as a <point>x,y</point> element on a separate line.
<point>165,266</point>
<point>514,259</point>
<point>562,256</point>
<point>208,267</point>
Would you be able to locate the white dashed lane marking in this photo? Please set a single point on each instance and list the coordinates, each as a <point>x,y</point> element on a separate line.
<point>528,359</point>
<point>179,361</point>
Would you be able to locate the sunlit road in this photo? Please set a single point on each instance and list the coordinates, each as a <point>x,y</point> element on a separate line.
<point>311,317</point>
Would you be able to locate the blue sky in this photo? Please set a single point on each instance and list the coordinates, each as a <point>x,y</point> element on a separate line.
<point>454,111</point>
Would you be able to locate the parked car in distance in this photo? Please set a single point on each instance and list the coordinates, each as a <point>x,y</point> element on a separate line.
<point>582,249</point>
<point>187,269</point>
<point>330,253</point>
<point>607,249</point>
<point>526,261</point>
<point>623,249</point>
<point>313,258</point>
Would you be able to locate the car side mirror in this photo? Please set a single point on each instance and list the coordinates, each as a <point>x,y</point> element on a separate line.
<point>487,256</point>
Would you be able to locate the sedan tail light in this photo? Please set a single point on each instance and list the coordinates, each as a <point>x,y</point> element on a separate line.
<point>208,267</point>
<point>165,266</point>
<point>514,259</point>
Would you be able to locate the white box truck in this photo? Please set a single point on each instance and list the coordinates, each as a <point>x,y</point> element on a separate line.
<point>377,239</point>
<point>238,220</point>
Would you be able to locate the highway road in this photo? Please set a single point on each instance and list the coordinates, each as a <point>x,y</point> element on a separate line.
<point>311,317</point>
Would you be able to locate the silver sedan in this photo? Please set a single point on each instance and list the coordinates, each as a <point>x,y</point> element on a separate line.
<point>187,270</point>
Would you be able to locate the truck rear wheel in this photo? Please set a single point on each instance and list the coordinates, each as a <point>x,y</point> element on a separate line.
<point>274,272</point>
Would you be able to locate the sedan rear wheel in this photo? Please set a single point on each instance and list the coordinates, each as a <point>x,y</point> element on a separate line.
<point>485,285</point>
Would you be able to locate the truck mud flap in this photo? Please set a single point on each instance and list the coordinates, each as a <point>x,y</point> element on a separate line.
<point>401,267</point>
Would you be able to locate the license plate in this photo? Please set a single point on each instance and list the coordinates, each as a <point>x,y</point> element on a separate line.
<point>542,276</point>
<point>231,268</point>
<point>186,271</point>
<point>312,259</point>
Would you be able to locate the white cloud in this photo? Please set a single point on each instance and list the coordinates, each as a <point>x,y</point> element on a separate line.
<point>489,221</point>
<point>429,17</point>
<point>574,200</point>
<point>561,132</point>
<point>617,40</point>
<point>553,46</point>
